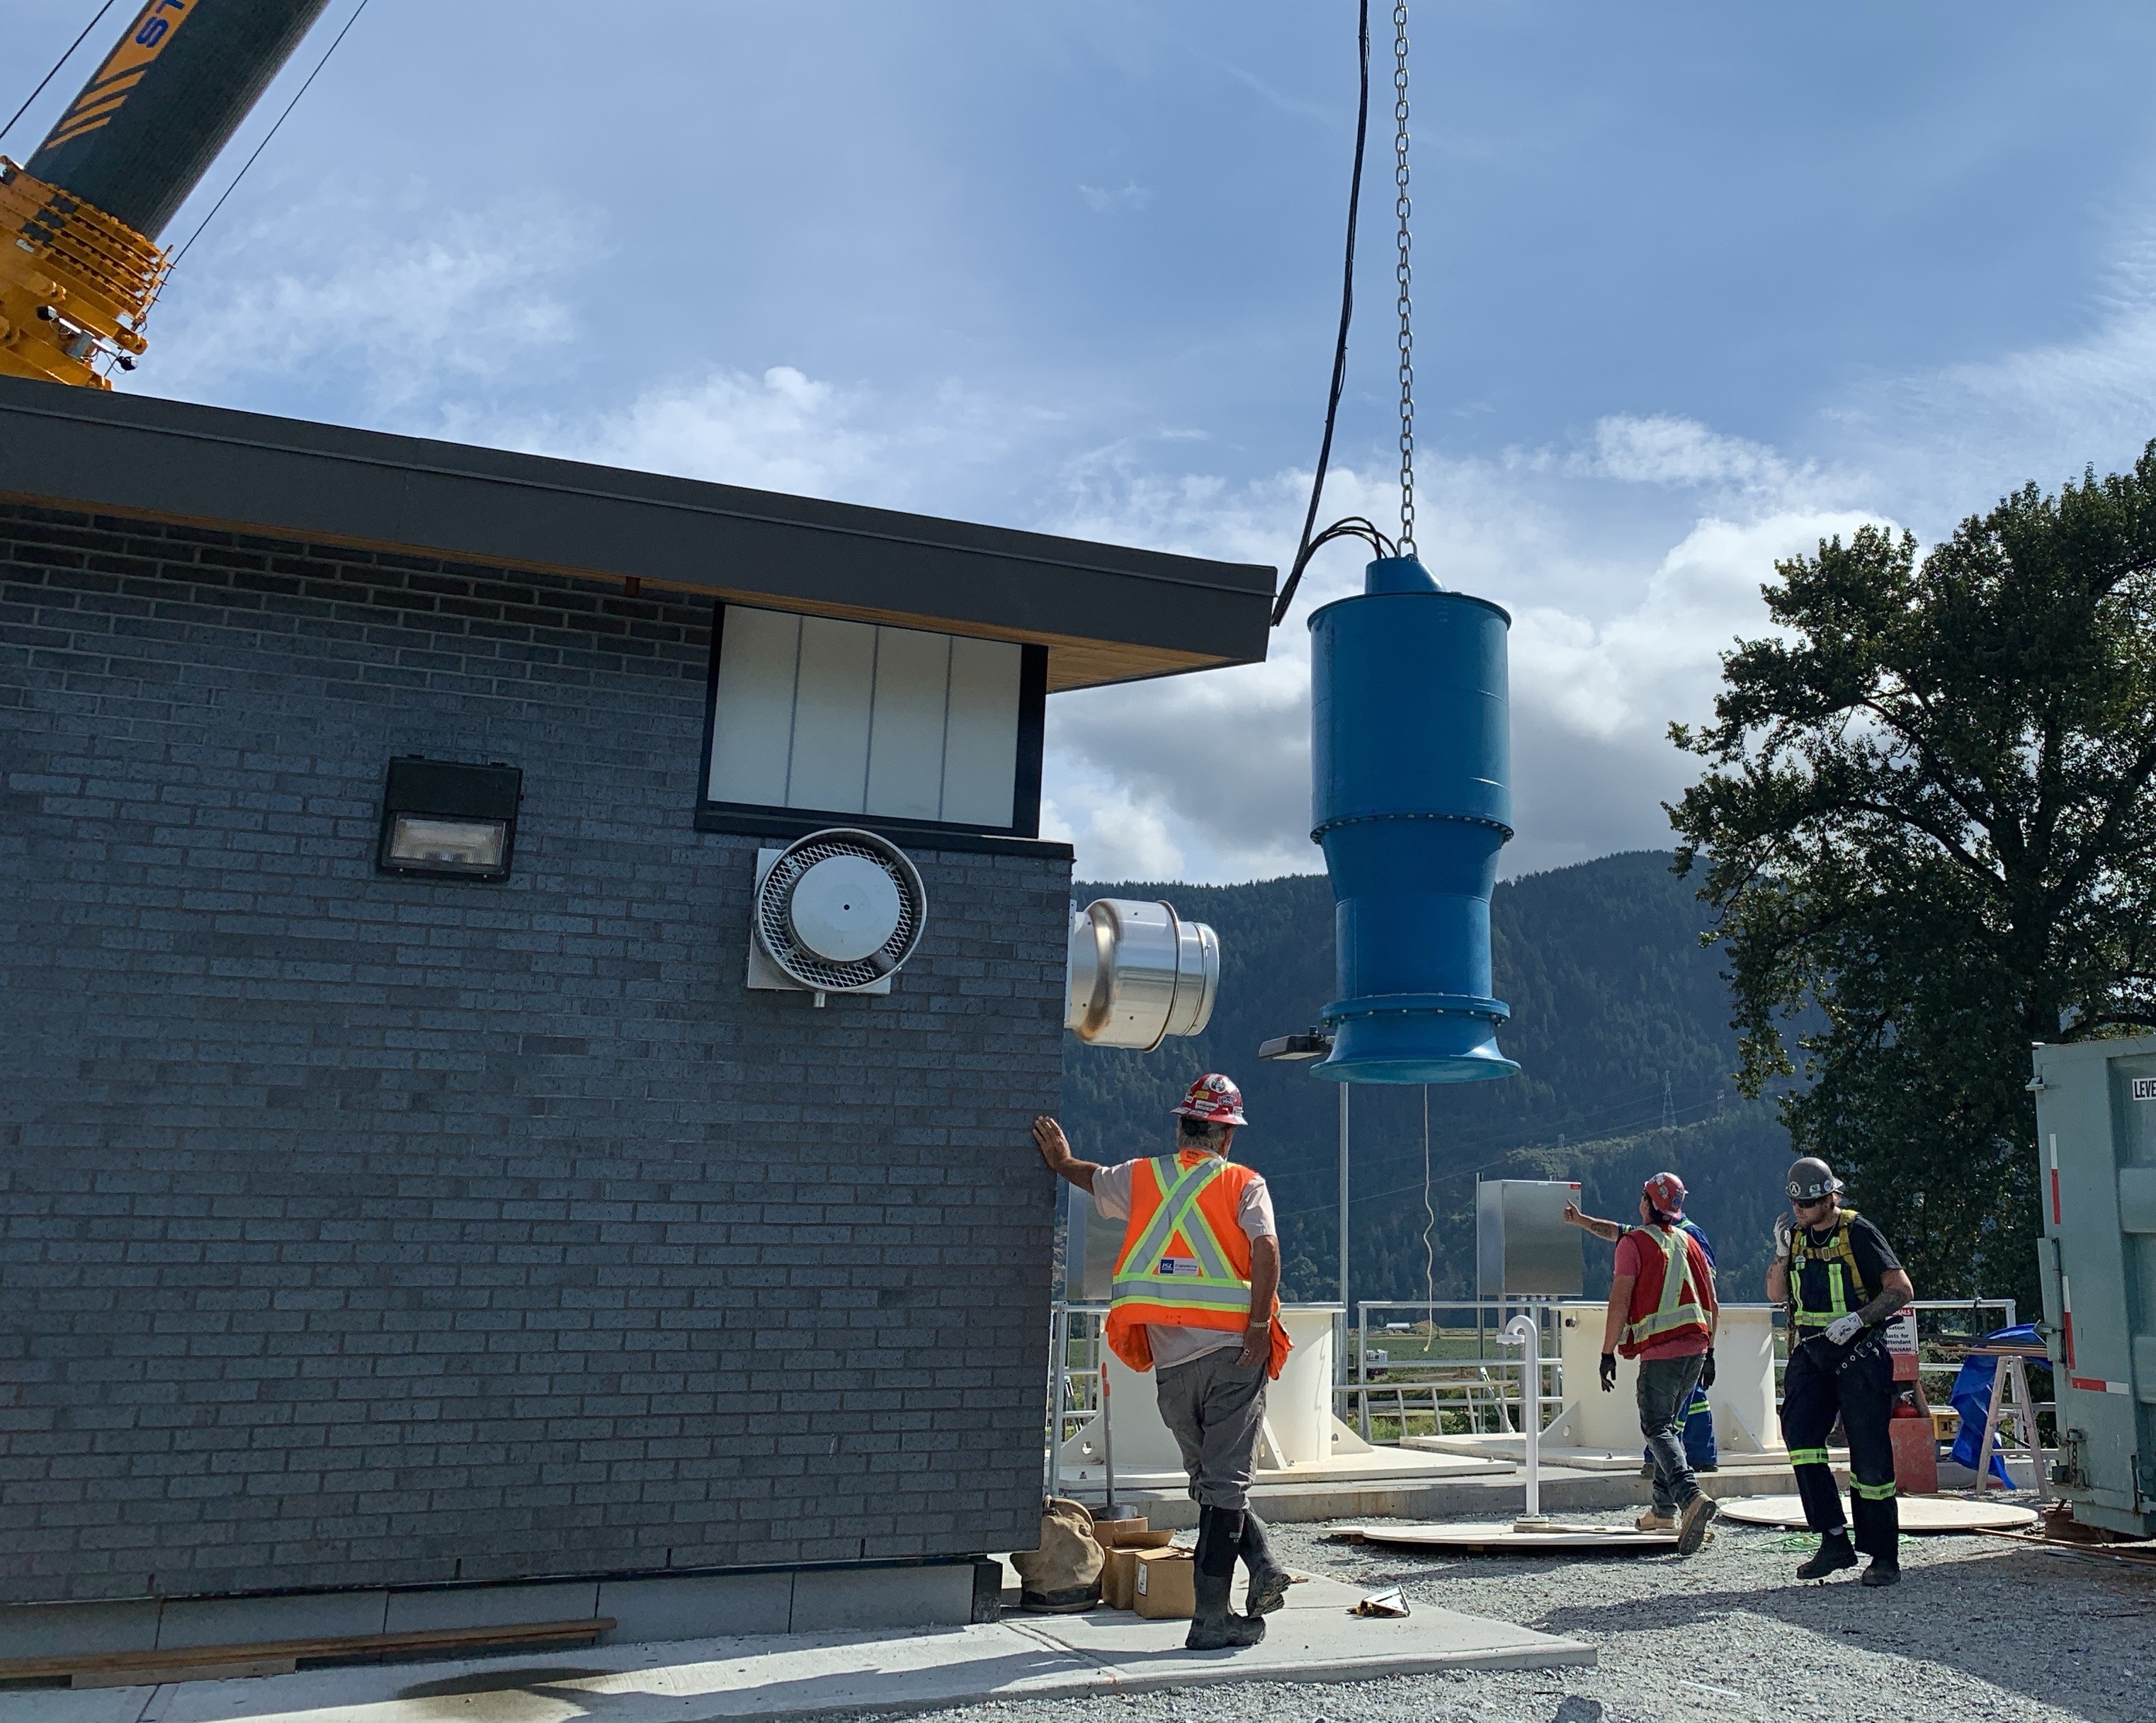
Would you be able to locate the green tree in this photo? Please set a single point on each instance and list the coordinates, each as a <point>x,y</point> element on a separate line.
<point>1928,814</point>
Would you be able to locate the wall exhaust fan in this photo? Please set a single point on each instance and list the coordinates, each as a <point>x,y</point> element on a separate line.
<point>838,911</point>
<point>1139,973</point>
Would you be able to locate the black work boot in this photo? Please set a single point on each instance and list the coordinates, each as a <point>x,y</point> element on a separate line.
<point>1833,1555</point>
<point>1269,1580</point>
<point>1213,1627</point>
<point>1884,1571</point>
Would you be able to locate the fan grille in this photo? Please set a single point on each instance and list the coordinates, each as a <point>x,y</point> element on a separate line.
<point>806,966</point>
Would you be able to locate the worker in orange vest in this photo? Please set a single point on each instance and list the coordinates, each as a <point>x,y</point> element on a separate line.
<point>1662,1311</point>
<point>1194,1302</point>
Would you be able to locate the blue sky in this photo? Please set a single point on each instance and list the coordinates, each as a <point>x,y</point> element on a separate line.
<point>1697,284</point>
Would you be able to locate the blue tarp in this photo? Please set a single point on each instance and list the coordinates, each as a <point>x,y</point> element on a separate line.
<point>1972,1397</point>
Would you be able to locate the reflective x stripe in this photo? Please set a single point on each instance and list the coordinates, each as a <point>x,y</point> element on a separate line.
<point>1874,1492</point>
<point>1807,1456</point>
<point>1177,1199</point>
<point>1140,1276</point>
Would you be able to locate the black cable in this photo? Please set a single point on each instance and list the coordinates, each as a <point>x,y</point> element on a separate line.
<point>55,72</point>
<point>264,144</point>
<point>1309,545</point>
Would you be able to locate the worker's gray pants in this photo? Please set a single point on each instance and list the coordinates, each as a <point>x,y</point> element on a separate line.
<point>1214,1408</point>
<point>1664,1393</point>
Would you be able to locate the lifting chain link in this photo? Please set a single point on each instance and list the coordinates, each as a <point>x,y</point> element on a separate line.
<point>1403,273</point>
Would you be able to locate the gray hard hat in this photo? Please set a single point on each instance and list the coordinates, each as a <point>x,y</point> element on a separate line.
<point>1811,1179</point>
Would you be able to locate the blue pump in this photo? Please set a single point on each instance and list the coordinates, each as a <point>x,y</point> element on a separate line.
<point>1411,798</point>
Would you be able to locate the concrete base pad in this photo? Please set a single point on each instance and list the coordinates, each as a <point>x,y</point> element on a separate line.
<point>1381,1465</point>
<point>1501,1538</point>
<point>1022,1657</point>
<point>1918,1513</point>
<point>1579,1459</point>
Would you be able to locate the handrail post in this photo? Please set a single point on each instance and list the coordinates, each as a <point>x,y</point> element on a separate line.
<point>1525,1330</point>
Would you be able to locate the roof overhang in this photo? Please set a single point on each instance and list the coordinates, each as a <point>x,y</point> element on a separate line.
<point>1107,612</point>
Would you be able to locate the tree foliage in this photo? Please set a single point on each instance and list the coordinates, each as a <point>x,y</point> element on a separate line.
<point>1928,811</point>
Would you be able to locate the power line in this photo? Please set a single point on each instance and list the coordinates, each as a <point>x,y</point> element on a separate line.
<point>271,134</point>
<point>1309,545</point>
<point>55,72</point>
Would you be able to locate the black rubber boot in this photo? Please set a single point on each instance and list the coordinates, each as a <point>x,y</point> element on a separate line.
<point>1213,1627</point>
<point>1269,1580</point>
<point>1833,1554</point>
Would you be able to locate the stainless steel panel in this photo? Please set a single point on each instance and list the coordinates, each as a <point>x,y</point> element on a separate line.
<point>1522,1247</point>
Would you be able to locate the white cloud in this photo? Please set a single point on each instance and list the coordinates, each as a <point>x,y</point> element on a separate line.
<point>394,323</point>
<point>783,430</point>
<point>1606,647</point>
<point>1106,201</point>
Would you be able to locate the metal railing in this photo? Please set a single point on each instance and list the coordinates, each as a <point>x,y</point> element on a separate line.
<point>1445,1369</point>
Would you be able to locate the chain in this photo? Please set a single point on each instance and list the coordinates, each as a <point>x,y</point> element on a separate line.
<point>1403,273</point>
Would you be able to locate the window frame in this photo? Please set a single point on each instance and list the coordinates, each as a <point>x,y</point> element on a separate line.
<point>763,819</point>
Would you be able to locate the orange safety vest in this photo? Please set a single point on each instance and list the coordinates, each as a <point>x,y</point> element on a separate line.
<point>1678,1302</point>
<point>1186,1260</point>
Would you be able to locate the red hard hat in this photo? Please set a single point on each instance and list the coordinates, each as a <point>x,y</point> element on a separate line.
<point>1215,1100</point>
<point>1666,1195</point>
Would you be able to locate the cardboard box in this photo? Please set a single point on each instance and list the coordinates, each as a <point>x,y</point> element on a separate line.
<point>1119,1578</point>
<point>1162,1590</point>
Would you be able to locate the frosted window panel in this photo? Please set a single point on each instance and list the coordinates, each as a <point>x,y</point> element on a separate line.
<point>906,732</point>
<point>752,722</point>
<point>831,705</point>
<point>980,737</point>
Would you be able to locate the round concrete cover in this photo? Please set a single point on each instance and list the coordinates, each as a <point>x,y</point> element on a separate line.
<point>1918,1513</point>
<point>1498,1534</point>
<point>843,908</point>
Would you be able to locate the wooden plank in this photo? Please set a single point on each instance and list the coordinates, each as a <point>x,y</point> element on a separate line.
<point>20,1668</point>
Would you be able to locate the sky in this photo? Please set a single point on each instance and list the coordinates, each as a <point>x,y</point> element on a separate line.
<point>1695,285</point>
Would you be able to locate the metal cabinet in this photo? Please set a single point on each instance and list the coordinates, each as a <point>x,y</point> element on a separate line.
<point>2096,1132</point>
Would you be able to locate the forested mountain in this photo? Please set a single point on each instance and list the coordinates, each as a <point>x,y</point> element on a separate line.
<point>1620,1025</point>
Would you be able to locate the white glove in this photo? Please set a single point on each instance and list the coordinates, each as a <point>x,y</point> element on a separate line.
<point>1784,1232</point>
<point>1845,1329</point>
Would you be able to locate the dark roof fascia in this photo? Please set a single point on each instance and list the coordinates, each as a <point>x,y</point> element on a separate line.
<point>131,454</point>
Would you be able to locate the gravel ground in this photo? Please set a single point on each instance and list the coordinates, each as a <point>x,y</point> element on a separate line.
<point>1977,1629</point>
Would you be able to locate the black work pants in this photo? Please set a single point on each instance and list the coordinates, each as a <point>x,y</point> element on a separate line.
<point>1857,1382</point>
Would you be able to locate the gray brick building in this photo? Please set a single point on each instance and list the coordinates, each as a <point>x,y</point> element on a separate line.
<point>367,1231</point>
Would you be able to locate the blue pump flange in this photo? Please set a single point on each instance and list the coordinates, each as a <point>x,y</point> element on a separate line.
<point>1411,799</point>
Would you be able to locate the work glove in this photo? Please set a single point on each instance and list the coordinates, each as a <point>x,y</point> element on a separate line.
<point>1845,1329</point>
<point>1707,1369</point>
<point>1784,1231</point>
<point>1608,1372</point>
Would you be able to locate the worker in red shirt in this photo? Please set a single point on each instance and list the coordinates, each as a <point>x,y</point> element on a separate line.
<point>1662,1312</point>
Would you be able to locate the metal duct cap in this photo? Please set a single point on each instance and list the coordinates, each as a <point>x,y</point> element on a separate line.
<point>1139,973</point>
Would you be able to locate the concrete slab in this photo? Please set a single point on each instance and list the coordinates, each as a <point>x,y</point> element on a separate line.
<point>696,1606</point>
<point>54,1629</point>
<point>1031,1657</point>
<point>872,1598</point>
<point>235,1621</point>
<point>1918,1513</point>
<point>490,1606</point>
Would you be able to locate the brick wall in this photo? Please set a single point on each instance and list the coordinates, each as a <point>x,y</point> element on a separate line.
<point>362,1230</point>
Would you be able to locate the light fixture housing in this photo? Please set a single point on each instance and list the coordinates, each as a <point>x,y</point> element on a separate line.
<point>445,819</point>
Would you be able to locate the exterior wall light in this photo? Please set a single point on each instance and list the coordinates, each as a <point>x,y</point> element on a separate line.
<point>444,820</point>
